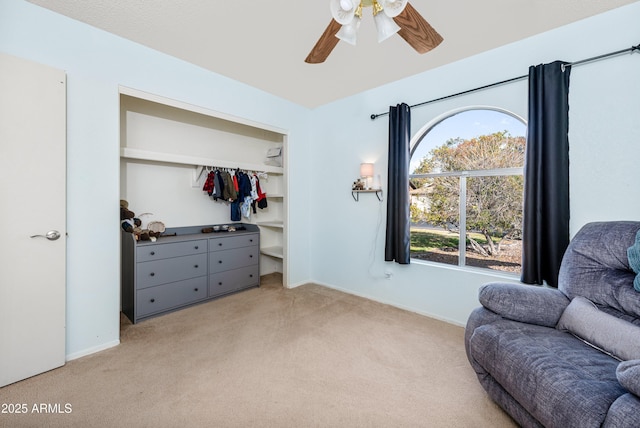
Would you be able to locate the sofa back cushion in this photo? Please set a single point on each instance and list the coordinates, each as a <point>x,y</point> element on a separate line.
<point>596,266</point>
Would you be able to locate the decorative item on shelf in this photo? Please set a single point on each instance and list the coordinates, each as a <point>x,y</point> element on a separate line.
<point>274,156</point>
<point>366,172</point>
<point>357,185</point>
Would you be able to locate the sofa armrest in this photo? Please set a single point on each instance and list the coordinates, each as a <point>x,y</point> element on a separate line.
<point>625,411</point>
<point>628,374</point>
<point>524,303</point>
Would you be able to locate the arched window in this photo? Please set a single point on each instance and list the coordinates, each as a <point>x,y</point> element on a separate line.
<point>466,176</point>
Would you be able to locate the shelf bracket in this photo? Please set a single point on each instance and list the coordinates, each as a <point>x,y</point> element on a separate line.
<point>355,194</point>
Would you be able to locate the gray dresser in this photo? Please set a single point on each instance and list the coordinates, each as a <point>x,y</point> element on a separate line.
<point>188,268</point>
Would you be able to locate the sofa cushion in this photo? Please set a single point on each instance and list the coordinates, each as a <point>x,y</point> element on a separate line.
<point>608,333</point>
<point>628,373</point>
<point>558,379</point>
<point>525,303</point>
<point>596,266</point>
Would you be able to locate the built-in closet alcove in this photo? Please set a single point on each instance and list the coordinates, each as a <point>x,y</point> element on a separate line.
<point>167,148</point>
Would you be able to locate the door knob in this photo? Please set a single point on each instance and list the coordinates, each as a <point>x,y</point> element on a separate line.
<point>51,235</point>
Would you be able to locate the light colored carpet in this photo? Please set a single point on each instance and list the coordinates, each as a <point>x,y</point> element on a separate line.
<point>269,357</point>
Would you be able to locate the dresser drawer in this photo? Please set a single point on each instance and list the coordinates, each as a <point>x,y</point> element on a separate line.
<point>232,259</point>
<point>232,280</point>
<point>175,249</point>
<point>157,299</point>
<point>229,242</point>
<point>158,272</point>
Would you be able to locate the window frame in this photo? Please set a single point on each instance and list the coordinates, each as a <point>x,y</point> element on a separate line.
<point>463,175</point>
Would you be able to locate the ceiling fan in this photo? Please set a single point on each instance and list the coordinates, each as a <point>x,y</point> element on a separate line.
<point>390,16</point>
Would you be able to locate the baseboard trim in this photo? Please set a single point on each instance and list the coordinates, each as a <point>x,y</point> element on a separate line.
<point>89,351</point>
<point>298,284</point>
<point>395,305</point>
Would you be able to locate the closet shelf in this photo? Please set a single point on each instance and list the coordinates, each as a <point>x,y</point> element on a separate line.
<point>130,153</point>
<point>275,251</point>
<point>277,224</point>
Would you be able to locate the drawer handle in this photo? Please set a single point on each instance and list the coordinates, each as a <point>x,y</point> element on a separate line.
<point>219,261</point>
<point>152,274</point>
<point>195,289</point>
<point>250,240</point>
<point>219,244</point>
<point>250,275</point>
<point>250,256</point>
<point>153,253</point>
<point>220,283</point>
<point>195,266</point>
<point>152,300</point>
<point>196,247</point>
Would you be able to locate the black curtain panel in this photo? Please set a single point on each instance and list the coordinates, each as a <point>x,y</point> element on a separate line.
<point>398,238</point>
<point>546,174</point>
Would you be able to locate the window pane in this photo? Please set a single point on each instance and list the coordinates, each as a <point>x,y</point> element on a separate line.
<point>494,222</point>
<point>435,219</point>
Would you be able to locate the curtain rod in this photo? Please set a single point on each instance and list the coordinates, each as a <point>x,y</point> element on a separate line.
<point>515,79</point>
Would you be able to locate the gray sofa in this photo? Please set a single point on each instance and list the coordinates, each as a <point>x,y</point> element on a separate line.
<point>566,357</point>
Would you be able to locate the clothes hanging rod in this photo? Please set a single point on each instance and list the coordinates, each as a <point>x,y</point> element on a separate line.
<point>515,79</point>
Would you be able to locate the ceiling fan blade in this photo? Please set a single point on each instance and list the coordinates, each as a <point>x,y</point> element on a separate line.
<point>416,31</point>
<point>325,44</point>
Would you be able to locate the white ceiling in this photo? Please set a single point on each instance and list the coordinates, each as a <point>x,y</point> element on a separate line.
<point>264,43</point>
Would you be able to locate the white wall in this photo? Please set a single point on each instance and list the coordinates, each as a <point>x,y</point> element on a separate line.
<point>96,63</point>
<point>348,237</point>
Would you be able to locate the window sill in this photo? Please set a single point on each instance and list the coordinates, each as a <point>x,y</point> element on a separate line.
<point>498,275</point>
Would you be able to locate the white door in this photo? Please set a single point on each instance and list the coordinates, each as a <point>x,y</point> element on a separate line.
<point>33,195</point>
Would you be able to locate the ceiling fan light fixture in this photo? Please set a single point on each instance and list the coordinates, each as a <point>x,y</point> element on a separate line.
<point>340,14</point>
<point>349,32</point>
<point>377,7</point>
<point>393,8</point>
<point>398,17</point>
<point>347,5</point>
<point>385,26</point>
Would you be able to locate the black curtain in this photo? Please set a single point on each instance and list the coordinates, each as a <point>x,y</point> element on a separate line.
<point>546,174</point>
<point>398,238</point>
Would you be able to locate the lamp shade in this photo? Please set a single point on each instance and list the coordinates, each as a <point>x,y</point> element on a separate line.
<point>393,7</point>
<point>342,10</point>
<point>366,170</point>
<point>386,26</point>
<point>349,32</point>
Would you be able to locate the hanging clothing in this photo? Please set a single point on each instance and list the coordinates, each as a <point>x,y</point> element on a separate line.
<point>209,183</point>
<point>254,191</point>
<point>234,177</point>
<point>229,192</point>
<point>245,208</point>
<point>235,211</point>
<point>262,197</point>
<point>241,190</point>
<point>218,186</point>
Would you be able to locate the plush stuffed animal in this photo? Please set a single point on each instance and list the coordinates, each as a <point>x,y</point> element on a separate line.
<point>128,219</point>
